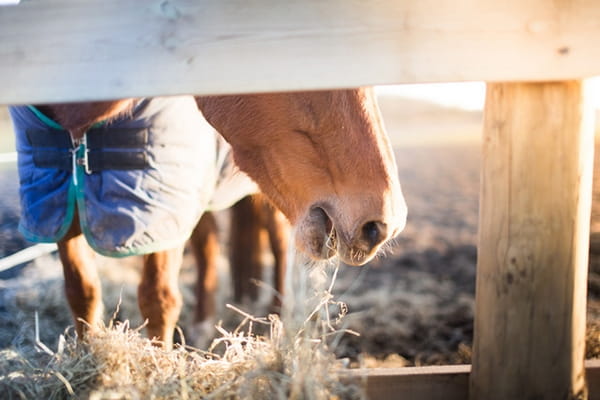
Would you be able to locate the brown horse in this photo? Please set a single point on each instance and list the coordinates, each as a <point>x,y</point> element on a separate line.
<point>323,158</point>
<point>252,221</point>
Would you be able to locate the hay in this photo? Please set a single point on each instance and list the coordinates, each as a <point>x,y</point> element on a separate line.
<point>294,359</point>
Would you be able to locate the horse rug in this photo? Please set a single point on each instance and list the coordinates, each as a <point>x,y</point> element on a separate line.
<point>139,182</point>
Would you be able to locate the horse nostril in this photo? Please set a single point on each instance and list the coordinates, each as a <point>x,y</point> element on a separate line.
<point>374,232</point>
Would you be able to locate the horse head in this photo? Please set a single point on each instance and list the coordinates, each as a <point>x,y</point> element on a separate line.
<point>324,159</point>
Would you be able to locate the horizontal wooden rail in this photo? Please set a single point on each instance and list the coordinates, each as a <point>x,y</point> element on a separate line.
<point>450,382</point>
<point>66,50</point>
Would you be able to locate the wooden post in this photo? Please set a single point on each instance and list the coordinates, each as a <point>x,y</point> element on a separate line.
<point>534,223</point>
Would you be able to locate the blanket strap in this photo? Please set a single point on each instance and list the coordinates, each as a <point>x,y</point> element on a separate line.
<point>117,149</point>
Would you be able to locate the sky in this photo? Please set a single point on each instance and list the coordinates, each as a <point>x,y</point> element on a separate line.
<point>465,95</point>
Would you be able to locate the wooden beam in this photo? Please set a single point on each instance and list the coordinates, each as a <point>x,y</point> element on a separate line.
<point>66,50</point>
<point>535,204</point>
<point>445,382</point>
<point>592,376</point>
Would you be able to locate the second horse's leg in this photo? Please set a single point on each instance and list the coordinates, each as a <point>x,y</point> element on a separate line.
<point>205,245</point>
<point>279,231</point>
<point>82,284</point>
<point>245,249</point>
<point>159,297</point>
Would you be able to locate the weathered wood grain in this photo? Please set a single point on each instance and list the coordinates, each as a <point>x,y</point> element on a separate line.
<point>533,242</point>
<point>67,50</point>
<point>446,382</point>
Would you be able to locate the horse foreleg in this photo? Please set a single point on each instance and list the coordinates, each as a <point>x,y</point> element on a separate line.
<point>159,297</point>
<point>82,284</point>
<point>205,245</point>
<point>279,231</point>
<point>245,248</point>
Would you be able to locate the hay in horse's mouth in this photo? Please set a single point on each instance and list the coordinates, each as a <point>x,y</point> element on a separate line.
<point>328,241</point>
<point>330,245</point>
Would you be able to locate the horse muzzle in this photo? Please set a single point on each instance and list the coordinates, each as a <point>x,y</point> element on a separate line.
<point>321,235</point>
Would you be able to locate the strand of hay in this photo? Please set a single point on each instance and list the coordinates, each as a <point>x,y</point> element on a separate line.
<point>292,361</point>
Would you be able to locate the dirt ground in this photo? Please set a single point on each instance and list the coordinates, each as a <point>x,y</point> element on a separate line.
<point>412,306</point>
<point>418,300</point>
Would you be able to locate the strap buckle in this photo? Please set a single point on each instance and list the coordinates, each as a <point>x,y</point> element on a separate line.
<point>83,160</point>
<point>80,156</point>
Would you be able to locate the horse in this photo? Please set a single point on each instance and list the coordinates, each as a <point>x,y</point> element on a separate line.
<point>321,157</point>
<point>252,221</point>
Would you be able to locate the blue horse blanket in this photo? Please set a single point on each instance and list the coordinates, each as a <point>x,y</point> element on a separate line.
<point>140,182</point>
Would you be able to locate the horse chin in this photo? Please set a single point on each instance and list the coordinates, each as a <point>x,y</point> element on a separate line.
<point>354,257</point>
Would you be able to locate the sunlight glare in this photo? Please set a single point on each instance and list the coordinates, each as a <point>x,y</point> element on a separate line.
<point>464,95</point>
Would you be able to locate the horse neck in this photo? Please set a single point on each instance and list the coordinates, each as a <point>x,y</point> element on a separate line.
<point>77,118</point>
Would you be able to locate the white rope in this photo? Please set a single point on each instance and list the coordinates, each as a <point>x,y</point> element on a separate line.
<point>8,157</point>
<point>26,255</point>
<point>29,253</point>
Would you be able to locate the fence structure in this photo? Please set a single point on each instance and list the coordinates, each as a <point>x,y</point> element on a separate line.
<point>537,145</point>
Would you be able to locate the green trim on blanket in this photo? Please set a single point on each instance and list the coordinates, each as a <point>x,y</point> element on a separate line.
<point>44,118</point>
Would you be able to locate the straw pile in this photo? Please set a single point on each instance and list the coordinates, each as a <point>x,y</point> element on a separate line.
<point>294,359</point>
